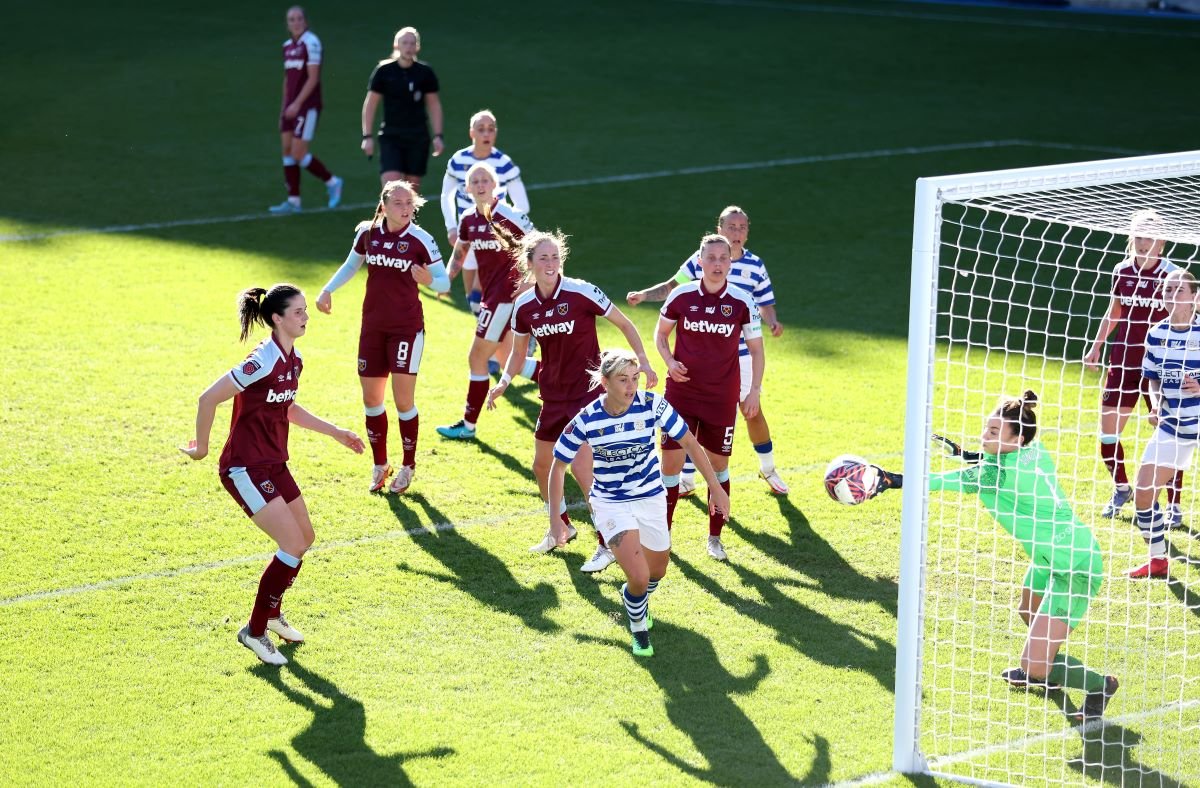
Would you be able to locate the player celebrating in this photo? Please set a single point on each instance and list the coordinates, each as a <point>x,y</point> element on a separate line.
<point>490,229</point>
<point>253,464</point>
<point>1136,305</point>
<point>1171,367</point>
<point>400,255</point>
<point>713,317</point>
<point>408,89</point>
<point>748,272</point>
<point>1015,480</point>
<point>298,116</point>
<point>456,197</point>
<point>626,496</point>
<point>560,312</point>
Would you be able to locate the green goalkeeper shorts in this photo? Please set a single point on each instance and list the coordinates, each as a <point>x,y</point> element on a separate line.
<point>1065,595</point>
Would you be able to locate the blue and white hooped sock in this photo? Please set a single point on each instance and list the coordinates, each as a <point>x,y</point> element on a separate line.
<point>635,607</point>
<point>766,456</point>
<point>1153,526</point>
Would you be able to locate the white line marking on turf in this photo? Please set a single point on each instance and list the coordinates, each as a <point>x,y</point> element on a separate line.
<point>604,179</point>
<point>933,16</point>
<point>389,536</point>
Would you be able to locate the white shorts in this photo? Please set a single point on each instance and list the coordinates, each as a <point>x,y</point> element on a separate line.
<point>646,515</point>
<point>1169,451</point>
<point>746,367</point>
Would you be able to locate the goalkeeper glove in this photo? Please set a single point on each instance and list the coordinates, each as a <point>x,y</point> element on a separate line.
<point>887,480</point>
<point>952,449</point>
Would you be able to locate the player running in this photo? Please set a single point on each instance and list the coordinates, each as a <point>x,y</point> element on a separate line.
<point>400,256</point>
<point>299,113</point>
<point>490,229</point>
<point>1136,305</point>
<point>253,464</point>
<point>1172,367</point>
<point>748,272</point>
<point>560,312</point>
<point>1015,480</point>
<point>711,317</point>
<point>627,498</point>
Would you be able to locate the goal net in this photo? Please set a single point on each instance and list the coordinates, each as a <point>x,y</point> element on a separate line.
<point>1012,273</point>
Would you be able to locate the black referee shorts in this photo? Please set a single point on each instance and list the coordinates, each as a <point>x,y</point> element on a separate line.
<point>404,154</point>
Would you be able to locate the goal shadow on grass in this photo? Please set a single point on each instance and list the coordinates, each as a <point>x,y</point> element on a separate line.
<point>475,571</point>
<point>336,739</point>
<point>1108,757</point>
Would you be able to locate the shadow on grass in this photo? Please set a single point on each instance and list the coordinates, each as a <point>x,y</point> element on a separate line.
<point>336,740</point>
<point>522,395</point>
<point>820,638</point>
<point>476,571</point>
<point>1108,757</point>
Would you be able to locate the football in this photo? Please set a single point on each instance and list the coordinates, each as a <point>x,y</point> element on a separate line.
<point>850,479</point>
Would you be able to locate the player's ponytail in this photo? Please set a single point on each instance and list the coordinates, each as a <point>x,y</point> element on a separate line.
<point>256,305</point>
<point>1019,416</point>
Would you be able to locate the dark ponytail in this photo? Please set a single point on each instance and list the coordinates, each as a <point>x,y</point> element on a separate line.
<point>253,307</point>
<point>1020,415</point>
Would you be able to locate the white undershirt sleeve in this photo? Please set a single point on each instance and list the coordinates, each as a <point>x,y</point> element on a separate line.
<point>354,261</point>
<point>517,195</point>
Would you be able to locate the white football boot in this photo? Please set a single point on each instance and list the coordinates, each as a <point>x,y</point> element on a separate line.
<point>280,626</point>
<point>262,647</point>
<point>599,560</point>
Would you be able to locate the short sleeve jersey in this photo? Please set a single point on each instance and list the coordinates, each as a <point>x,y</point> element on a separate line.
<point>298,55</point>
<point>708,330</point>
<point>1172,355</point>
<point>565,327</point>
<point>258,430</point>
<point>624,456</point>
<point>1140,294</point>
<point>404,91</point>
<point>748,272</point>
<point>506,169</point>
<point>498,273</point>
<point>392,302</point>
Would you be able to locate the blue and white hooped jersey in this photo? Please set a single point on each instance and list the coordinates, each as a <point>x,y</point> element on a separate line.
<point>748,272</point>
<point>1171,356</point>
<point>625,453</point>
<point>506,172</point>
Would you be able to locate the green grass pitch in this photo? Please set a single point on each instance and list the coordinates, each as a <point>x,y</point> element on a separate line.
<point>440,651</point>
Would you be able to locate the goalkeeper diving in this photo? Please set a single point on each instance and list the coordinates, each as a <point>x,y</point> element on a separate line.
<point>1014,478</point>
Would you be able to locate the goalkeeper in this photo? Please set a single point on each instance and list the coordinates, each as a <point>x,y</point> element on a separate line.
<point>1015,481</point>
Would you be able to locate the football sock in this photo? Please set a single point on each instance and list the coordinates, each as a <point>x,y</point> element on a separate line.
<point>291,176</point>
<point>600,539</point>
<point>377,430</point>
<point>276,579</point>
<point>1175,488</point>
<point>314,165</point>
<point>689,468</point>
<point>409,426</point>
<point>716,521</point>
<point>1113,455</point>
<point>652,586</point>
<point>1154,530</point>
<point>635,608</point>
<point>766,456</point>
<point>1070,672</point>
<point>672,485</point>
<point>477,391</point>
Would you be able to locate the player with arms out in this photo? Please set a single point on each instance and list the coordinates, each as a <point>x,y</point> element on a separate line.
<point>408,90</point>
<point>748,272</point>
<point>560,313</point>
<point>1016,482</point>
<point>490,230</point>
<point>1171,365</point>
<point>711,317</point>
<point>456,197</point>
<point>1136,305</point>
<point>627,497</point>
<point>399,256</point>
<point>253,464</point>
<point>302,55</point>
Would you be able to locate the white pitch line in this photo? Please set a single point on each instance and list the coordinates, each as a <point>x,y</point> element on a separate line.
<point>932,16</point>
<point>605,179</point>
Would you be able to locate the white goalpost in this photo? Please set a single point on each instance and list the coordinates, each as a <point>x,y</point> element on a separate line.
<point>1011,274</point>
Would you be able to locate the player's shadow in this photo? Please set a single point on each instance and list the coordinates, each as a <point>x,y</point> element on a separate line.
<point>805,551</point>
<point>477,572</point>
<point>820,638</point>
<point>699,695</point>
<point>1108,757</point>
<point>335,742</point>
<point>522,396</point>
<point>1187,595</point>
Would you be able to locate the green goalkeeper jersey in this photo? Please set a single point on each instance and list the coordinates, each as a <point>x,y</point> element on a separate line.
<point>1021,491</point>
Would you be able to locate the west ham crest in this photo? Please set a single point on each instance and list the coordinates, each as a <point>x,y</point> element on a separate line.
<point>268,487</point>
<point>726,309</point>
<point>562,309</point>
